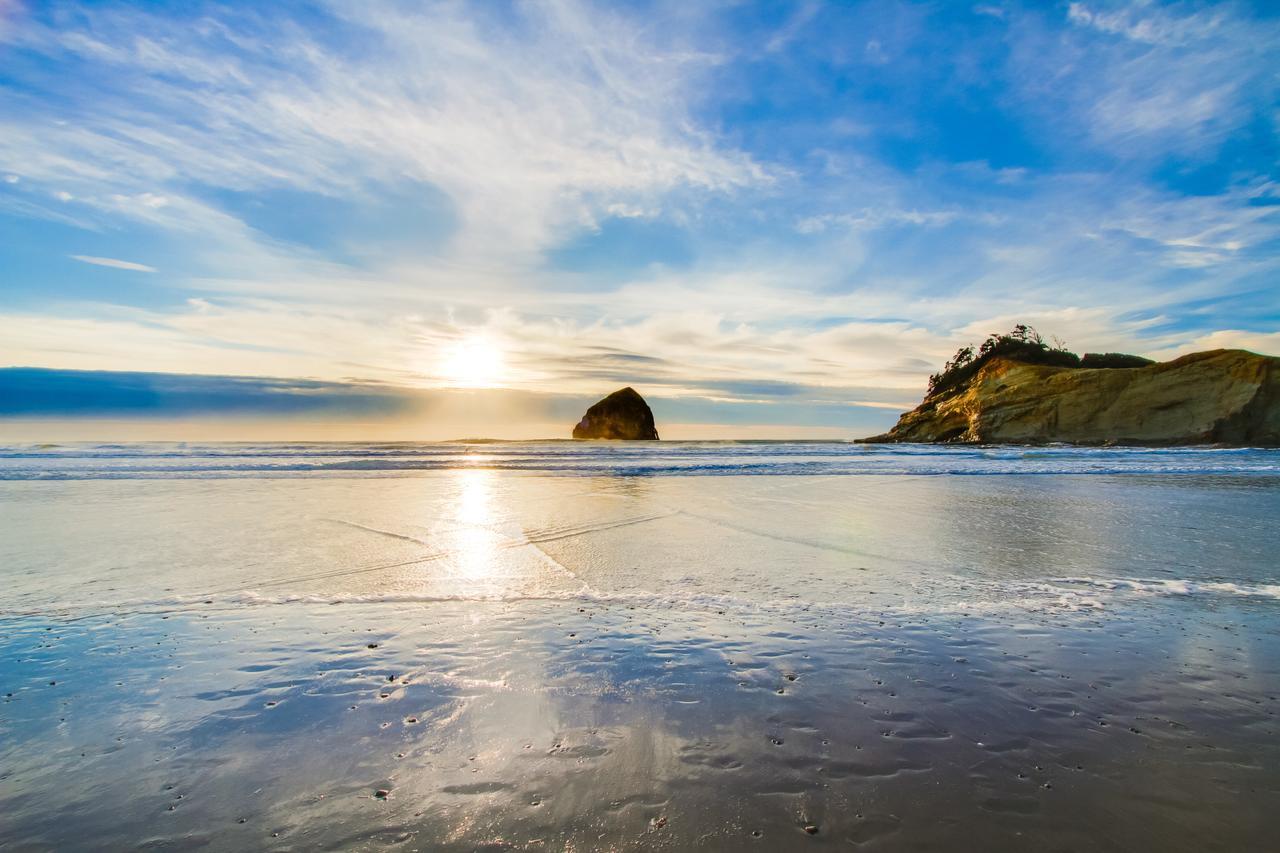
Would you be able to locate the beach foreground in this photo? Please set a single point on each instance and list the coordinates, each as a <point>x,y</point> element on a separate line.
<point>558,646</point>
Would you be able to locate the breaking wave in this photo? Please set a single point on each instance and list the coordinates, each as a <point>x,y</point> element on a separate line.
<point>567,458</point>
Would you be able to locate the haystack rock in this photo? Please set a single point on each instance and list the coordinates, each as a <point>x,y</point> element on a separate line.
<point>622,415</point>
<point>1218,397</point>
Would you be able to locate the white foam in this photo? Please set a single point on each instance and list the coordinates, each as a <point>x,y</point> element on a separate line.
<point>1063,594</point>
<point>1031,597</point>
<point>203,461</point>
<point>1177,586</point>
<point>585,594</point>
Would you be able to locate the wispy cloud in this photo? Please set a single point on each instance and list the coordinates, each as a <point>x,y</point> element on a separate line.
<point>528,127</point>
<point>114,263</point>
<point>792,28</point>
<point>873,218</point>
<point>1145,22</point>
<point>1147,80</point>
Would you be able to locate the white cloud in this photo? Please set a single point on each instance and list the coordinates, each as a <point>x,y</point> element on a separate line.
<point>793,27</point>
<point>1267,343</point>
<point>528,130</point>
<point>1145,81</point>
<point>762,347</point>
<point>869,218</point>
<point>113,263</point>
<point>1144,23</point>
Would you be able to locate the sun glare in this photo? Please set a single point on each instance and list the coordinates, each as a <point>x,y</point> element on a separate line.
<point>473,362</point>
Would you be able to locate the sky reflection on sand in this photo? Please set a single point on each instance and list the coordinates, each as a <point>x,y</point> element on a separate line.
<point>1090,661</point>
<point>516,722</point>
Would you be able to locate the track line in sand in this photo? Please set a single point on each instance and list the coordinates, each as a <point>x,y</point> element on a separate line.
<point>358,526</point>
<point>510,544</point>
<point>553,534</point>
<point>824,546</point>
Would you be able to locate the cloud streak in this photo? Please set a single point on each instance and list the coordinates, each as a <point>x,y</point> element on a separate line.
<point>524,126</point>
<point>114,263</point>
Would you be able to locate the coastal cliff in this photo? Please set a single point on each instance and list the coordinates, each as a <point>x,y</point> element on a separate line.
<point>1215,397</point>
<point>623,415</point>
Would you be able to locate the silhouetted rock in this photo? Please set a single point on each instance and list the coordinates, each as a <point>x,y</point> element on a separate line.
<point>622,415</point>
<point>1216,397</point>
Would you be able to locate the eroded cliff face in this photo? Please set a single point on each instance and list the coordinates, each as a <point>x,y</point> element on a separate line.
<point>1215,397</point>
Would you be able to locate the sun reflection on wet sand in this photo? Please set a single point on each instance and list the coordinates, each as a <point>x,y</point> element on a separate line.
<point>477,555</point>
<point>487,554</point>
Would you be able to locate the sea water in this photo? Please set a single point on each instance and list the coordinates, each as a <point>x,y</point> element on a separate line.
<point>605,646</point>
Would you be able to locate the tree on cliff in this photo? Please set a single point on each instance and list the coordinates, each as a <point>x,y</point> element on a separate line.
<point>1023,343</point>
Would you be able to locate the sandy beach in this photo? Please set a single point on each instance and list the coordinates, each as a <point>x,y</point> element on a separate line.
<point>480,658</point>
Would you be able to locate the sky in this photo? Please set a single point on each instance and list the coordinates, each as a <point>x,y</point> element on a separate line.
<point>436,220</point>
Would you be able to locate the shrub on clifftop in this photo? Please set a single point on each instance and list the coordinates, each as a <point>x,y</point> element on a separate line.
<point>1113,359</point>
<point>1023,343</point>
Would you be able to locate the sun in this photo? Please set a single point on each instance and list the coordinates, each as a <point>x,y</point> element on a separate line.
<point>475,361</point>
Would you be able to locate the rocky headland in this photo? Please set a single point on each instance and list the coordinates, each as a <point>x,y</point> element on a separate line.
<point>623,415</point>
<point>1223,397</point>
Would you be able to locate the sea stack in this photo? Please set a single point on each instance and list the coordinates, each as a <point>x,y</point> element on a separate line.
<point>623,415</point>
<point>1225,397</point>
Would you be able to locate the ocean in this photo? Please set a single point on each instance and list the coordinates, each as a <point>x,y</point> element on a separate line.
<point>560,645</point>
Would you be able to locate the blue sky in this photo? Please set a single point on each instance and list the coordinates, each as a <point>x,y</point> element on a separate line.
<point>771,218</point>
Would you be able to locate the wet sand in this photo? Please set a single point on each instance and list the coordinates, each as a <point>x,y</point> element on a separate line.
<point>492,661</point>
<point>602,727</point>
